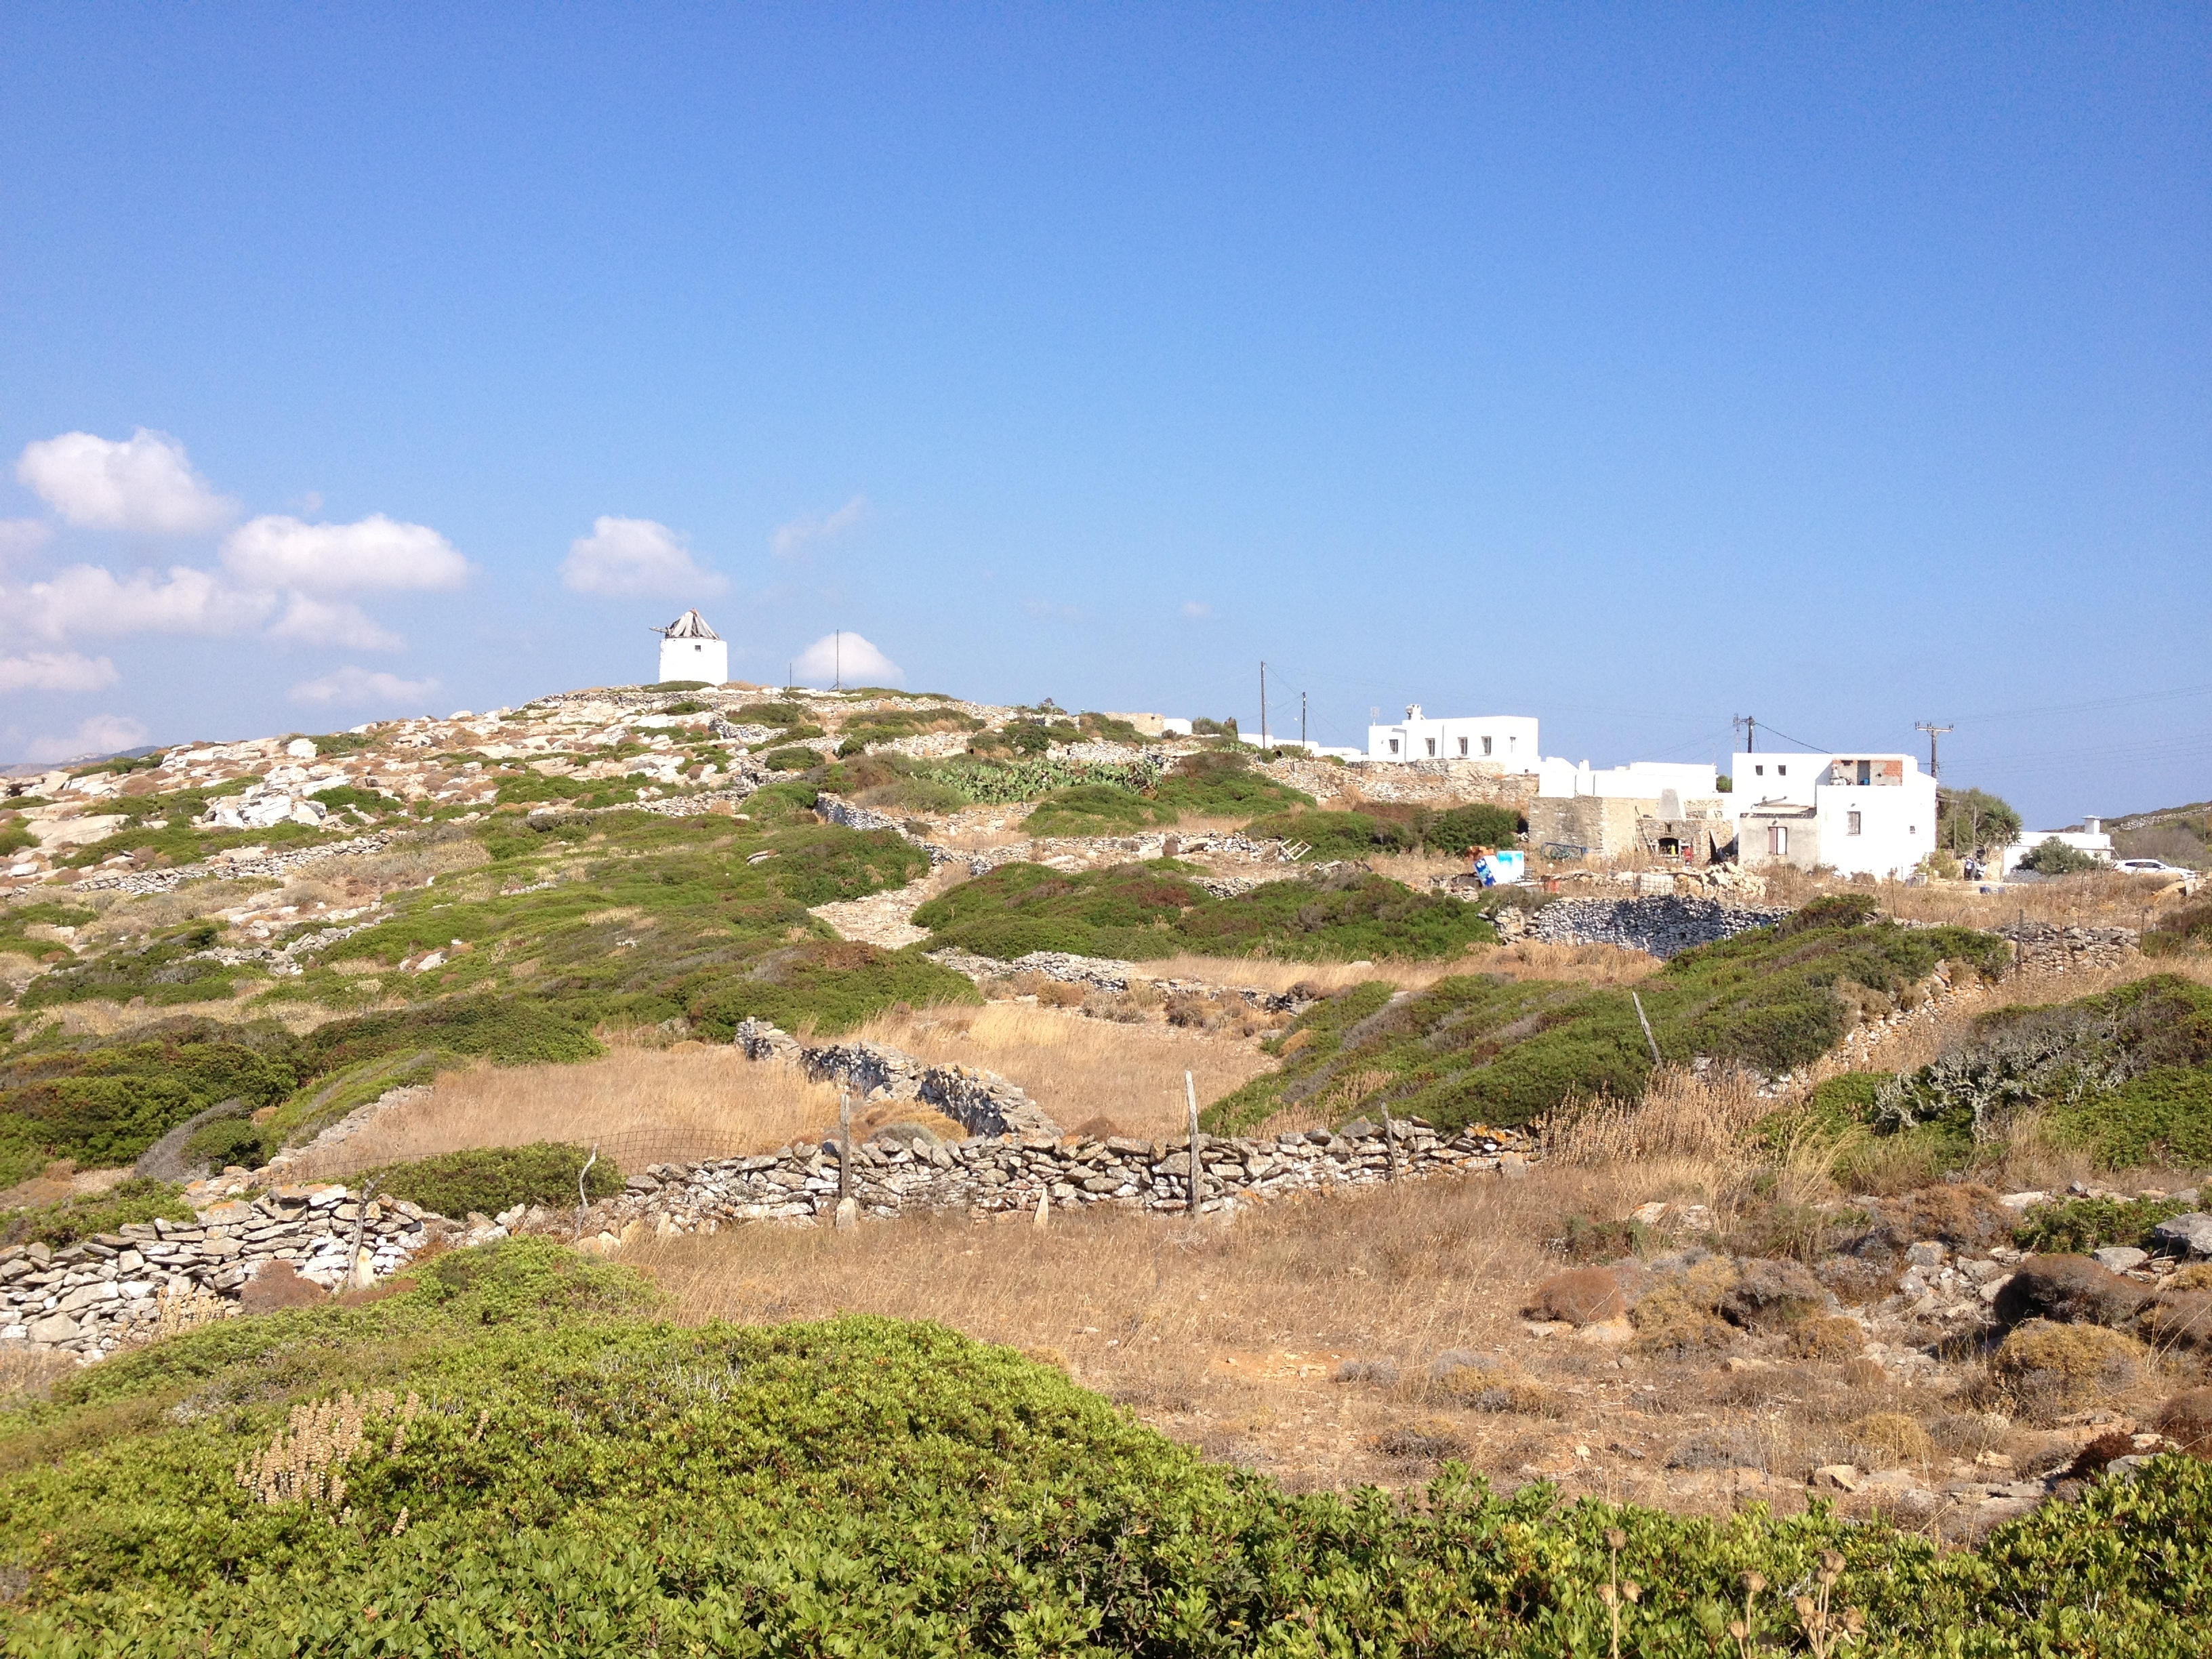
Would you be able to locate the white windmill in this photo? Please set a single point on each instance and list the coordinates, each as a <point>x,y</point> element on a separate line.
<point>689,650</point>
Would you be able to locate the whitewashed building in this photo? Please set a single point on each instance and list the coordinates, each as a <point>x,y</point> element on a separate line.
<point>1504,740</point>
<point>689,650</point>
<point>1859,814</point>
<point>2090,838</point>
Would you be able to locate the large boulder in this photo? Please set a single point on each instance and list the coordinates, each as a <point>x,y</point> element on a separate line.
<point>2187,1234</point>
<point>2070,1289</point>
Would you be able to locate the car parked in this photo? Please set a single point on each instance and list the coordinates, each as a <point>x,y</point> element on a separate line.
<point>2150,867</point>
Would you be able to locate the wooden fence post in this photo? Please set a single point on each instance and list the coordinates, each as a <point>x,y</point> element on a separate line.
<point>1197,1178</point>
<point>1656,1058</point>
<point>844,1146</point>
<point>1389,1148</point>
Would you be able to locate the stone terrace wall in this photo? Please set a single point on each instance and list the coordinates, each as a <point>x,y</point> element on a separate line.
<point>1014,1174</point>
<point>90,1297</point>
<point>1664,927</point>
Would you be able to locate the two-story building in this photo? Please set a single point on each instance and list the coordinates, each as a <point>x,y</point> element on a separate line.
<point>1859,814</point>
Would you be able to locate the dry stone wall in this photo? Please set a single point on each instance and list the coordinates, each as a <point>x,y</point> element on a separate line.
<point>1003,1174</point>
<point>92,1297</point>
<point>1664,927</point>
<point>983,1103</point>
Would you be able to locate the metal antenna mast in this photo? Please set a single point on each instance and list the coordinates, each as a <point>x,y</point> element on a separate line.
<point>1750,725</point>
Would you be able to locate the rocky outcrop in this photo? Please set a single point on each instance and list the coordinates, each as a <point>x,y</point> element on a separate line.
<point>981,1102</point>
<point>272,863</point>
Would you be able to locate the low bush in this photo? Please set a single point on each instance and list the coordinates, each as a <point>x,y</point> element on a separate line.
<point>2053,857</point>
<point>531,1465</point>
<point>832,985</point>
<point>135,1201</point>
<point>167,969</point>
<point>1094,808</point>
<point>2076,1226</point>
<point>1221,783</point>
<point>2189,928</point>
<point>1491,1049</point>
<point>792,760</point>
<point>224,1141</point>
<point>1382,829</point>
<point>488,1179</point>
<point>1145,911</point>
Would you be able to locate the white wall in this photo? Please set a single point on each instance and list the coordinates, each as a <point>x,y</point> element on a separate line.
<point>2097,844</point>
<point>1503,740</point>
<point>695,659</point>
<point>1638,780</point>
<point>1895,810</point>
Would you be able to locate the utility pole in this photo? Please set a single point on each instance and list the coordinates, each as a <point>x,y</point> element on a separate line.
<point>837,658</point>
<point>1263,705</point>
<point>1933,731</point>
<point>1302,719</point>
<point>1749,723</point>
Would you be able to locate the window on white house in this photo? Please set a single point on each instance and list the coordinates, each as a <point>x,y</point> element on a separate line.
<point>1463,745</point>
<point>1394,745</point>
<point>1852,825</point>
<point>1486,745</point>
<point>1781,771</point>
<point>1778,840</point>
<point>1433,745</point>
<point>1511,744</point>
<point>1761,770</point>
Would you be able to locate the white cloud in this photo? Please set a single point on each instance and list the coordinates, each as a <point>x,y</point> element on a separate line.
<point>848,657</point>
<point>21,536</point>
<point>88,598</point>
<point>144,483</point>
<point>103,734</point>
<point>808,532</point>
<point>333,621</point>
<point>55,670</point>
<point>358,686</point>
<point>631,557</point>
<point>1196,610</point>
<point>374,553</point>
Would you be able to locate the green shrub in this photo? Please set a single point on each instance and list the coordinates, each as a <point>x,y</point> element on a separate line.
<point>1973,822</point>
<point>833,984</point>
<point>1220,783</point>
<point>1482,1048</point>
<point>1144,911</point>
<point>490,1179</point>
<point>577,1480</point>
<point>522,787</point>
<point>224,1141</point>
<point>2188,928</point>
<point>1094,808</point>
<point>135,1201</point>
<point>167,969</point>
<point>2078,1225</point>
<point>792,760</point>
<point>16,837</point>
<point>2053,857</point>
<point>102,1100</point>
<point>366,800</point>
<point>769,714</point>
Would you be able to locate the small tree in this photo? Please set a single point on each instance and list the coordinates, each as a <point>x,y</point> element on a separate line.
<point>2053,857</point>
<point>1971,822</point>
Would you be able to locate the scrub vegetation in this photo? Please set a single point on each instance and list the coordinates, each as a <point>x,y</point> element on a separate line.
<point>1484,1048</point>
<point>516,1457</point>
<point>1142,912</point>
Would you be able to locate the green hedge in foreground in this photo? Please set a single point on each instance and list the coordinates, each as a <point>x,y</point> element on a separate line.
<point>578,1479</point>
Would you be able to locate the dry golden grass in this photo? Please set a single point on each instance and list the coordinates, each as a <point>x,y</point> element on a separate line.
<point>1593,964</point>
<point>640,1105</point>
<point>1340,1340</point>
<point>1083,1072</point>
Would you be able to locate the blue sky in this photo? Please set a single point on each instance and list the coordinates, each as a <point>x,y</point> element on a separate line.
<point>1633,367</point>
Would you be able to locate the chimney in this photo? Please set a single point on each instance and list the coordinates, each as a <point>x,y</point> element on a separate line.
<point>2094,826</point>
<point>1413,711</point>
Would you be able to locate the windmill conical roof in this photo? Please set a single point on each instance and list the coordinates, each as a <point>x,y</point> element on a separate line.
<point>688,626</point>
